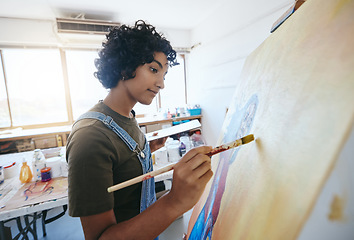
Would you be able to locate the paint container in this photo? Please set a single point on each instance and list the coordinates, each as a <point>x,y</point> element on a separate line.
<point>197,139</point>
<point>55,164</point>
<point>46,174</point>
<point>186,141</point>
<point>173,150</point>
<point>161,157</point>
<point>173,153</point>
<point>182,149</point>
<point>64,167</point>
<point>12,170</point>
<point>1,174</point>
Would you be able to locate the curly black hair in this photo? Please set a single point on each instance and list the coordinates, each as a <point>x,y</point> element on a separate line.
<point>126,48</point>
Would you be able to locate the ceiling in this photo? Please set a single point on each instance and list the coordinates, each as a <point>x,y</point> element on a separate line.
<point>181,14</point>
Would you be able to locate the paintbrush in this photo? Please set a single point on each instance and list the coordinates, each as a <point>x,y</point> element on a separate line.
<point>224,147</point>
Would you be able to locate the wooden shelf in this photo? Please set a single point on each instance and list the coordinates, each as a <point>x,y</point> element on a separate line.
<point>48,134</point>
<point>151,121</point>
<point>33,133</point>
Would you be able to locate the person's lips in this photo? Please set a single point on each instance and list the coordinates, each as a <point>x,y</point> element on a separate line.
<point>154,91</point>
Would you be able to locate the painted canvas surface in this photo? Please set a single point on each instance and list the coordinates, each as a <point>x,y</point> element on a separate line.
<point>296,97</point>
<point>37,192</point>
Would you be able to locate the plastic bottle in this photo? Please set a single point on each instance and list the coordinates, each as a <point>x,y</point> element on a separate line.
<point>186,141</point>
<point>25,173</point>
<point>38,162</point>
<point>182,149</point>
<point>197,139</point>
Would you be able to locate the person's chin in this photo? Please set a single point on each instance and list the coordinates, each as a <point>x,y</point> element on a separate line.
<point>146,102</point>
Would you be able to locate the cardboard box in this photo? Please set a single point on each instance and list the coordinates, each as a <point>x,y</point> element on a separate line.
<point>25,145</point>
<point>45,142</point>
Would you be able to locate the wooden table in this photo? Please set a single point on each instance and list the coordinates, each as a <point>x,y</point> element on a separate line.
<point>29,213</point>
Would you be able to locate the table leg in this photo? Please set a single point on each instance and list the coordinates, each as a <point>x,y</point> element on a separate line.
<point>2,230</point>
<point>20,229</point>
<point>44,216</point>
<point>28,227</point>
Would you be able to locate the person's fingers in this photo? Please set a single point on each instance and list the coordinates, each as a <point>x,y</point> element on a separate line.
<point>202,169</point>
<point>195,151</point>
<point>197,161</point>
<point>206,177</point>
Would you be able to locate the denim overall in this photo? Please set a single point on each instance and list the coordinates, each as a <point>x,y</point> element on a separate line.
<point>148,196</point>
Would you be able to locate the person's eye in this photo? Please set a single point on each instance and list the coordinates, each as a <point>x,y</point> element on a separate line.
<point>154,70</point>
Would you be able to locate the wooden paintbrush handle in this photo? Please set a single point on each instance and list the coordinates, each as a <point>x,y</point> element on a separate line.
<point>225,147</point>
<point>167,168</point>
<point>141,178</point>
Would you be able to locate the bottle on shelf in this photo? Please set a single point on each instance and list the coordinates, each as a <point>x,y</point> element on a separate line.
<point>186,141</point>
<point>182,149</point>
<point>173,150</point>
<point>197,139</point>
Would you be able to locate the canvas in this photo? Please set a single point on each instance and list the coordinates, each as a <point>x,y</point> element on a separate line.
<point>296,96</point>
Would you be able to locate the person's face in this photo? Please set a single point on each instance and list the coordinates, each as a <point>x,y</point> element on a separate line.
<point>148,80</point>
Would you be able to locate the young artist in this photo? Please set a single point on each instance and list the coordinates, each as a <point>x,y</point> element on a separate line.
<point>106,146</point>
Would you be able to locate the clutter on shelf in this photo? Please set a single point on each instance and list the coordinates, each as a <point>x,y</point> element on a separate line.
<point>177,146</point>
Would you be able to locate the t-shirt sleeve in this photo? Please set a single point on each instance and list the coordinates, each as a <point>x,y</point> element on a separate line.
<point>89,156</point>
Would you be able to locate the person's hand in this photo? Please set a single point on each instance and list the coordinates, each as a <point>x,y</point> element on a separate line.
<point>191,174</point>
<point>157,143</point>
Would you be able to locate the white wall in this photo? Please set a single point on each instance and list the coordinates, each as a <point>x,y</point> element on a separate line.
<point>19,32</point>
<point>213,67</point>
<point>26,32</point>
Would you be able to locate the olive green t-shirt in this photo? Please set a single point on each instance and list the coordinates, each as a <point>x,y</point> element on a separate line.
<point>97,159</point>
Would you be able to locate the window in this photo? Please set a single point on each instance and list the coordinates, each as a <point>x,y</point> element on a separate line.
<point>4,110</point>
<point>36,92</point>
<point>173,95</point>
<point>35,86</point>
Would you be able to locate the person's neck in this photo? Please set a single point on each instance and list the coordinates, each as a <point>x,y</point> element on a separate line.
<point>117,103</point>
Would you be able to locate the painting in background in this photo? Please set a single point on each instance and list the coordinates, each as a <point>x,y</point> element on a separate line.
<point>296,97</point>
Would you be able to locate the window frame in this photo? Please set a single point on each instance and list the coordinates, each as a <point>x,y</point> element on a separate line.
<point>71,120</point>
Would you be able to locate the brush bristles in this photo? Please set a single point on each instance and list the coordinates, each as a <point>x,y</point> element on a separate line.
<point>247,139</point>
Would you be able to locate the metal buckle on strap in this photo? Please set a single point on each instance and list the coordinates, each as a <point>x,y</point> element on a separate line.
<point>139,152</point>
<point>108,120</point>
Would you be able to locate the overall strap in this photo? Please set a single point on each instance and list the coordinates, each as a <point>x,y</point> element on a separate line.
<point>148,195</point>
<point>111,124</point>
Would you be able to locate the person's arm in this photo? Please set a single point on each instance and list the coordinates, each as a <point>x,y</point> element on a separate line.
<point>191,174</point>
<point>157,143</point>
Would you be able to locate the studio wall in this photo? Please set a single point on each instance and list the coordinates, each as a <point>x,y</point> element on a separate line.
<point>222,44</point>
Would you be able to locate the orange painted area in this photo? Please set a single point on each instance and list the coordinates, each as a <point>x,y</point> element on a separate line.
<point>337,209</point>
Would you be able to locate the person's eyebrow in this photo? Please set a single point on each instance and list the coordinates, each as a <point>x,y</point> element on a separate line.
<point>158,63</point>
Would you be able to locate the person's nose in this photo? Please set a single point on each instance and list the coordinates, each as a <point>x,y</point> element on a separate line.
<point>161,82</point>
